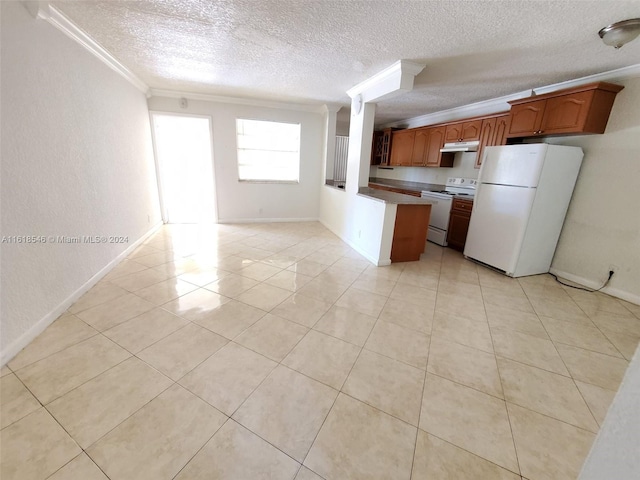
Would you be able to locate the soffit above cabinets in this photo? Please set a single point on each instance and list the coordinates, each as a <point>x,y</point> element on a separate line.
<point>314,51</point>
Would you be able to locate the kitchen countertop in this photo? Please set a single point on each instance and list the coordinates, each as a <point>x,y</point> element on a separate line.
<point>391,197</point>
<point>412,186</point>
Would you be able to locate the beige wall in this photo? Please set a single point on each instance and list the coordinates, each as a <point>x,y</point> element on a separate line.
<point>602,227</point>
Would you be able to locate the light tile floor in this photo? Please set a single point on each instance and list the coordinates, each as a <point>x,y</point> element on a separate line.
<point>277,352</point>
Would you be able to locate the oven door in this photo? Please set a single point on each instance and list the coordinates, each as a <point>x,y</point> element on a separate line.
<point>440,210</point>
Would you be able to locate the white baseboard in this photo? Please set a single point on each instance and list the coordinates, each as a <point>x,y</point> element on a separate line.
<point>614,292</point>
<point>18,344</point>
<point>266,220</point>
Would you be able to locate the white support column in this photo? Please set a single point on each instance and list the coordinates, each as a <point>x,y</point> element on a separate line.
<point>329,153</point>
<point>365,224</point>
<point>392,81</point>
<point>360,137</point>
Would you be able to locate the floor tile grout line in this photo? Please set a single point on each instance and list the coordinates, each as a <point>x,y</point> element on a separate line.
<point>88,380</point>
<point>201,447</point>
<point>513,436</point>
<point>584,400</point>
<point>589,317</point>
<point>255,232</point>
<point>78,456</point>
<point>468,451</point>
<point>58,351</point>
<point>340,391</point>
<point>424,379</point>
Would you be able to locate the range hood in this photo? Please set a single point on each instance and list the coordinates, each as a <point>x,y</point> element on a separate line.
<point>461,147</point>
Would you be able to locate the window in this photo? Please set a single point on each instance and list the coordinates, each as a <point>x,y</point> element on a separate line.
<point>268,151</point>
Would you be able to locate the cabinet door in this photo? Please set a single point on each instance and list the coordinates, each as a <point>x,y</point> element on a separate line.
<point>471,131</point>
<point>566,114</point>
<point>501,130</point>
<point>376,148</point>
<point>486,138</point>
<point>420,145</point>
<point>386,147</point>
<point>526,118</point>
<point>453,133</point>
<point>458,229</point>
<point>402,147</point>
<point>433,156</point>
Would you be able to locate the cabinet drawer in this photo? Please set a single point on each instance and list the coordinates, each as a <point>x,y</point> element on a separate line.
<point>462,205</point>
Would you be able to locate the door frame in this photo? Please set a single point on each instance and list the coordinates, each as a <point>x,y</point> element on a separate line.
<point>161,189</point>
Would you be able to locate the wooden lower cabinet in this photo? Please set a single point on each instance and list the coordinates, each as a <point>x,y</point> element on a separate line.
<point>459,223</point>
<point>410,232</point>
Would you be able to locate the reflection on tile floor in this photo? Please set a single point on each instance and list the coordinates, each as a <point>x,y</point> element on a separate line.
<point>275,351</point>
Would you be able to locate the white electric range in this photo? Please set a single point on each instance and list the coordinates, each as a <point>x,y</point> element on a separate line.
<point>441,207</point>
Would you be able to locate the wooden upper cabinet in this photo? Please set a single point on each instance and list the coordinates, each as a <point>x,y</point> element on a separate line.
<point>420,145</point>
<point>381,147</point>
<point>567,113</point>
<point>402,147</point>
<point>376,147</point>
<point>463,131</point>
<point>526,119</point>
<point>471,131</point>
<point>494,130</point>
<point>434,157</point>
<point>503,123</point>
<point>453,133</point>
<point>487,135</point>
<point>583,109</point>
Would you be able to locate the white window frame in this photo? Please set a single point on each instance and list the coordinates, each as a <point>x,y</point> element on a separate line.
<point>267,150</point>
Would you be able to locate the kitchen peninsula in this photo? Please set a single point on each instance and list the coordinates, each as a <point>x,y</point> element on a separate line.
<point>411,223</point>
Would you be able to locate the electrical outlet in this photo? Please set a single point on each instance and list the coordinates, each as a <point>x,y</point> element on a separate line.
<point>260,211</point>
<point>359,233</point>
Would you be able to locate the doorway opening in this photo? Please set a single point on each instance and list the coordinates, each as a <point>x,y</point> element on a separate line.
<point>185,168</point>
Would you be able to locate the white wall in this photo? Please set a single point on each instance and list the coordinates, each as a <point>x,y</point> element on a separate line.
<point>365,224</point>
<point>463,166</point>
<point>603,222</point>
<point>245,201</point>
<point>76,160</point>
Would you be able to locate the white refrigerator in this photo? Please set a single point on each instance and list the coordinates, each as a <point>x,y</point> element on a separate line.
<point>521,200</point>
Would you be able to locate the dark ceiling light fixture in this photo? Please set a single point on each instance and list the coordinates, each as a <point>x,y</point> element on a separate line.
<point>620,33</point>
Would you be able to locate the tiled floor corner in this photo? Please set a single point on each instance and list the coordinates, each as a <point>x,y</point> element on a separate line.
<point>275,351</point>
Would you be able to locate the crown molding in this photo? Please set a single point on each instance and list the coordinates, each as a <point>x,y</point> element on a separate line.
<point>254,102</point>
<point>45,11</point>
<point>618,74</point>
<point>499,104</point>
<point>485,107</point>
<point>396,78</point>
<point>331,107</point>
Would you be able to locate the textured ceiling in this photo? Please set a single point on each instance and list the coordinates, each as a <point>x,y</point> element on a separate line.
<point>312,51</point>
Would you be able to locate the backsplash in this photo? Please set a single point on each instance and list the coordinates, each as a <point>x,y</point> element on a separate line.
<point>462,167</point>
